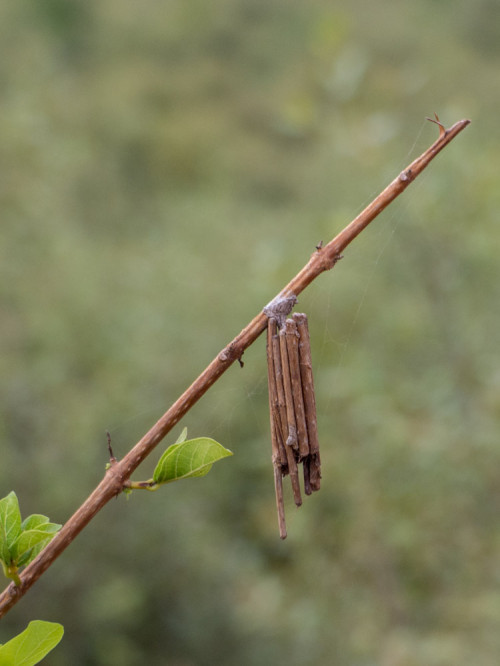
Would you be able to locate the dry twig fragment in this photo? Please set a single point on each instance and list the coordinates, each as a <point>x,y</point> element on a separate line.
<point>278,439</point>
<point>314,462</point>
<point>292,343</point>
<point>280,463</point>
<point>279,373</point>
<point>291,440</point>
<point>280,505</point>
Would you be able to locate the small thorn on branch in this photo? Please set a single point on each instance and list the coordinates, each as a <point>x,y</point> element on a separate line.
<point>442,128</point>
<point>112,458</point>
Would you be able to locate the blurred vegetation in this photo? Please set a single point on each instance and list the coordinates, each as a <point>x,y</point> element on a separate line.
<point>166,168</point>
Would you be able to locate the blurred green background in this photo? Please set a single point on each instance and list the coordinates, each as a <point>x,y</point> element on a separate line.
<point>166,167</point>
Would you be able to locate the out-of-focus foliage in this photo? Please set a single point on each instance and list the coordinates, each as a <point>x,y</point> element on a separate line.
<point>166,168</point>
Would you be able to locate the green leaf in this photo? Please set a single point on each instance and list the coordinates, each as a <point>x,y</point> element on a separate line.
<point>31,646</point>
<point>33,521</point>
<point>10,525</point>
<point>20,542</point>
<point>30,555</point>
<point>190,458</point>
<point>24,547</point>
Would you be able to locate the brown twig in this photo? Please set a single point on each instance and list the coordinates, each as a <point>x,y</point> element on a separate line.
<point>312,465</point>
<point>280,504</point>
<point>288,431</point>
<point>278,396</point>
<point>278,451</point>
<point>276,438</point>
<point>291,442</point>
<point>117,474</point>
<point>292,343</point>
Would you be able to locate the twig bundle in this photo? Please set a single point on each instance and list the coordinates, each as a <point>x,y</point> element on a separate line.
<point>292,406</point>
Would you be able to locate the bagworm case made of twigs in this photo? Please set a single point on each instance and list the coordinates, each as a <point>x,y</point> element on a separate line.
<point>292,407</point>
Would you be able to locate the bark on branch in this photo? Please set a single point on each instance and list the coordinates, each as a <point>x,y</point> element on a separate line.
<point>118,473</point>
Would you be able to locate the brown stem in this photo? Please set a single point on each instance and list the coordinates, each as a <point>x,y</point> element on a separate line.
<point>312,464</point>
<point>115,477</point>
<point>280,504</point>
<point>278,450</point>
<point>292,343</point>
<point>277,437</point>
<point>291,440</point>
<point>306,373</point>
<point>306,470</point>
<point>289,434</point>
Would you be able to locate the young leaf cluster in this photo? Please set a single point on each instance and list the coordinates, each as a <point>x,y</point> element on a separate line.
<point>187,458</point>
<point>21,540</point>
<point>30,646</point>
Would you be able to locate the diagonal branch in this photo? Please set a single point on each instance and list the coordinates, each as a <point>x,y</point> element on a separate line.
<point>119,472</point>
